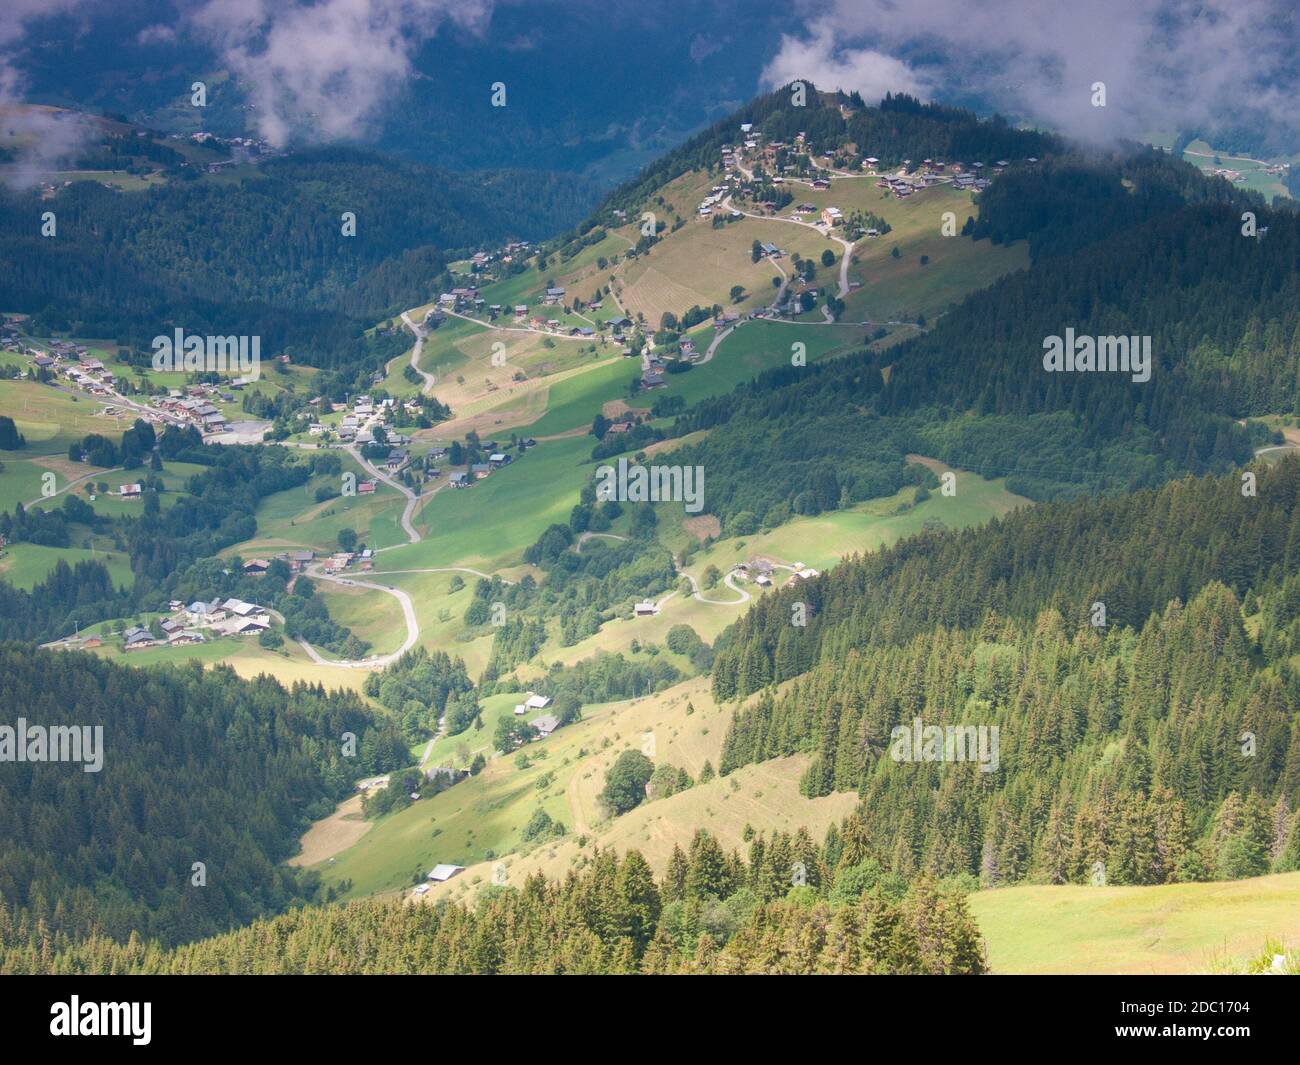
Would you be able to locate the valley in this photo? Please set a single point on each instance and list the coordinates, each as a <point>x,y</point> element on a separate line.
<point>488,681</point>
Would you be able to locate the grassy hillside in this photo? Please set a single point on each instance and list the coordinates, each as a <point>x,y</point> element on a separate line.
<point>1169,928</point>
<point>480,822</point>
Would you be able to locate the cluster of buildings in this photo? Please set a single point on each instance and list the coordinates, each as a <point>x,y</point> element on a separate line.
<point>459,299</point>
<point>228,617</point>
<point>297,561</point>
<point>361,418</point>
<point>713,201</point>
<point>196,622</point>
<point>339,561</point>
<point>760,570</point>
<point>546,723</point>
<point>194,405</point>
<point>476,471</point>
<point>63,359</point>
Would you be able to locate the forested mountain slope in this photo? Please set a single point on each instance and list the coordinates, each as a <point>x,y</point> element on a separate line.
<point>197,766</point>
<point>265,253</point>
<point>1220,310</point>
<point>1161,744</point>
<point>712,913</point>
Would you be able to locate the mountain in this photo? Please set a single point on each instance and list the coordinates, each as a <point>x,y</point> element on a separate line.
<point>585,82</point>
<point>212,779</point>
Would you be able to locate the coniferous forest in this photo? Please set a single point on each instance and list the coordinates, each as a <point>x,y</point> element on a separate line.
<point>563,730</point>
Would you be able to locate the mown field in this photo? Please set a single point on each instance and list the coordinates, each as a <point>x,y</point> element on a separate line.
<point>1170,928</point>
<point>295,519</point>
<point>51,418</point>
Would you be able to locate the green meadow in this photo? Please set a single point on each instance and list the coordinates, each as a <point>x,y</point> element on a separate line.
<point>1169,928</point>
<point>489,525</point>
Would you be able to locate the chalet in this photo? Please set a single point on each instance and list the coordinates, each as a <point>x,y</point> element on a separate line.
<point>832,216</point>
<point>256,566</point>
<point>521,310</point>
<point>299,559</point>
<point>461,480</point>
<point>771,251</point>
<point>480,470</point>
<point>169,625</point>
<point>240,608</point>
<point>821,183</point>
<point>527,442</point>
<point>537,702</point>
<point>184,637</point>
<point>619,324</point>
<point>396,459</point>
<point>546,724</point>
<point>646,608</point>
<point>130,491</point>
<point>365,488</point>
<point>136,639</point>
<point>554,295</point>
<point>246,626</point>
<point>200,611</point>
<point>443,873</point>
<point>498,459</point>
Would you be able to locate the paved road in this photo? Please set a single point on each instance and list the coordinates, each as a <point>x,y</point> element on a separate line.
<point>577,548</point>
<point>847,245</point>
<point>72,484</point>
<point>728,581</point>
<point>412,500</point>
<point>415,352</point>
<point>374,661</point>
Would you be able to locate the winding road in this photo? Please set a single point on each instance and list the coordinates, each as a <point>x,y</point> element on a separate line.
<point>728,580</point>
<point>847,245</point>
<point>420,334</point>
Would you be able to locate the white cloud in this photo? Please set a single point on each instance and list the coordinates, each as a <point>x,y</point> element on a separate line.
<point>1166,63</point>
<point>45,138</point>
<point>818,59</point>
<point>323,69</point>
